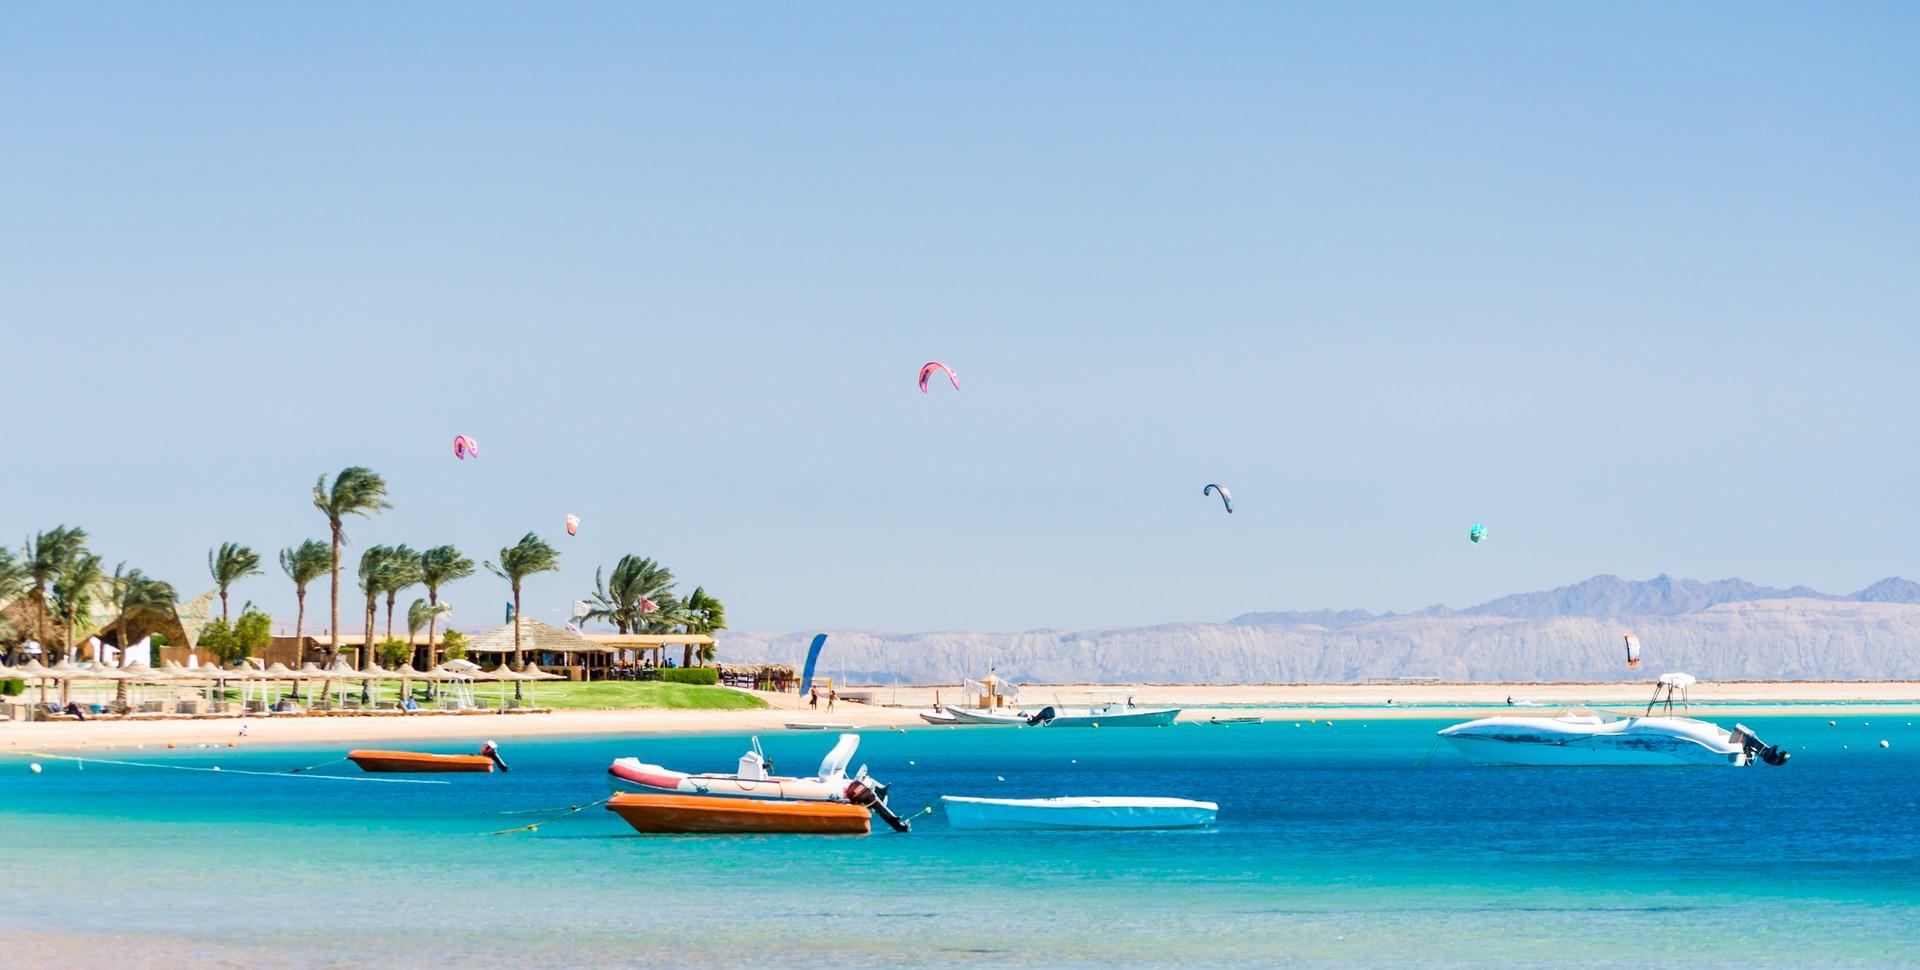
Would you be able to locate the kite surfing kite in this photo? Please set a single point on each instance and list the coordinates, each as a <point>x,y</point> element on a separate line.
<point>1226,497</point>
<point>1633,650</point>
<point>1477,533</point>
<point>927,370</point>
<point>465,447</point>
<point>573,524</point>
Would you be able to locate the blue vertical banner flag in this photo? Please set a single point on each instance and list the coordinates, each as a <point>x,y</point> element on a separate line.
<point>813,655</point>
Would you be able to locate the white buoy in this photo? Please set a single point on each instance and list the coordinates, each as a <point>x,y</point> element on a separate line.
<point>999,777</point>
<point>1885,744</point>
<point>35,767</point>
<point>911,762</point>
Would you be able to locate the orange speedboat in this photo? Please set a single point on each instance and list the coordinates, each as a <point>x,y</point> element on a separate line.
<point>702,813</point>
<point>407,762</point>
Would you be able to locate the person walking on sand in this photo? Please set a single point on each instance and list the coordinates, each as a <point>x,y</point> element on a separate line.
<point>813,698</point>
<point>832,695</point>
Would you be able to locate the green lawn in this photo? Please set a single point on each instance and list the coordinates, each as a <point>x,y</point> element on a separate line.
<point>628,694</point>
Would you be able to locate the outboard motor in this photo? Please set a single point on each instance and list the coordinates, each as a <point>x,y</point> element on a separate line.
<point>492,750</point>
<point>1045,716</point>
<point>1756,748</point>
<point>870,794</point>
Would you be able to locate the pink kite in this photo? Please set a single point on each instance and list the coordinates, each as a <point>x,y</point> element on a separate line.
<point>927,371</point>
<point>573,524</point>
<point>463,447</point>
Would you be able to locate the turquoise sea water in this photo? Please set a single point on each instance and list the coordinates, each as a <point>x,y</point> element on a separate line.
<point>1336,846</point>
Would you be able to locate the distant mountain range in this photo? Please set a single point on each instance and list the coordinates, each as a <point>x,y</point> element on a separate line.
<point>1727,629</point>
<point>1611,596</point>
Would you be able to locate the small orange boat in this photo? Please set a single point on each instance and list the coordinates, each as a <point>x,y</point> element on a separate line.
<point>701,813</point>
<point>410,762</point>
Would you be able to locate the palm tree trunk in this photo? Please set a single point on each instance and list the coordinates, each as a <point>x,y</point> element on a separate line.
<point>366,652</point>
<point>333,632</point>
<point>390,616</point>
<point>299,634</point>
<point>519,660</point>
<point>120,634</point>
<point>223,603</point>
<point>433,617</point>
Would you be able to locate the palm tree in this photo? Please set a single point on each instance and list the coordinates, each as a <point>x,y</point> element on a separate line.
<point>376,566</point>
<point>303,564</point>
<point>133,593</point>
<point>403,570</point>
<point>230,564</point>
<point>13,583</point>
<point>45,557</point>
<point>74,590</point>
<point>356,491</point>
<point>522,559</point>
<point>709,617</point>
<point>421,615</point>
<point>630,593</point>
<point>440,565</point>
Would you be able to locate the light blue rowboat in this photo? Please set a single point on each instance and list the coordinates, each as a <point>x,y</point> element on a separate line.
<point>1096,812</point>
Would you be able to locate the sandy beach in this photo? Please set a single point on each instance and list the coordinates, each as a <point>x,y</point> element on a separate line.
<point>896,708</point>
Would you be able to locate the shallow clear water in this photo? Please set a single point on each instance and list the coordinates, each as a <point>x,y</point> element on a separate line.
<point>1337,845</point>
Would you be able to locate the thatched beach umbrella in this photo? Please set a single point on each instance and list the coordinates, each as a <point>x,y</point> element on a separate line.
<point>30,672</point>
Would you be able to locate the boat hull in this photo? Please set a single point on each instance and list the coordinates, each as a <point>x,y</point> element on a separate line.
<point>1123,718</point>
<point>1078,813</point>
<point>685,814</point>
<point>1591,742</point>
<point>415,762</point>
<point>938,717</point>
<point>994,718</point>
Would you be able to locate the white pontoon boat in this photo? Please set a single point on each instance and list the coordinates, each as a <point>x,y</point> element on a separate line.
<point>1603,738</point>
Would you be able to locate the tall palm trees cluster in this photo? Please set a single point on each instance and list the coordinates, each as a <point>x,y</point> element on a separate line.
<point>62,580</point>
<point>638,597</point>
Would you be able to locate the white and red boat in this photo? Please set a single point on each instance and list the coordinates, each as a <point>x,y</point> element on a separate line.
<point>753,780</point>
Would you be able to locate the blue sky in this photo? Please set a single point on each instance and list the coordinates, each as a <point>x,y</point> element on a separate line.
<point>1634,285</point>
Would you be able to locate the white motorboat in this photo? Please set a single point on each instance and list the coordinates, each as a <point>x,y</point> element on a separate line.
<point>754,780</point>
<point>1004,718</point>
<point>1604,738</point>
<point>1099,812</point>
<point>988,700</point>
<point>1117,710</point>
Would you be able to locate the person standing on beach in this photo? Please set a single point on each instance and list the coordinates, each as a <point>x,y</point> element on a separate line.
<point>832,695</point>
<point>813,698</point>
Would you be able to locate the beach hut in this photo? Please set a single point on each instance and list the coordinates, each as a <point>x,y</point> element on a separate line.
<point>544,643</point>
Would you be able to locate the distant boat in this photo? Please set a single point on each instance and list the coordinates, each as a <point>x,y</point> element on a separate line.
<point>820,726</point>
<point>1003,718</point>
<point>1117,711</point>
<point>696,813</point>
<point>1248,719</point>
<point>1098,812</point>
<point>1585,738</point>
<point>988,700</point>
